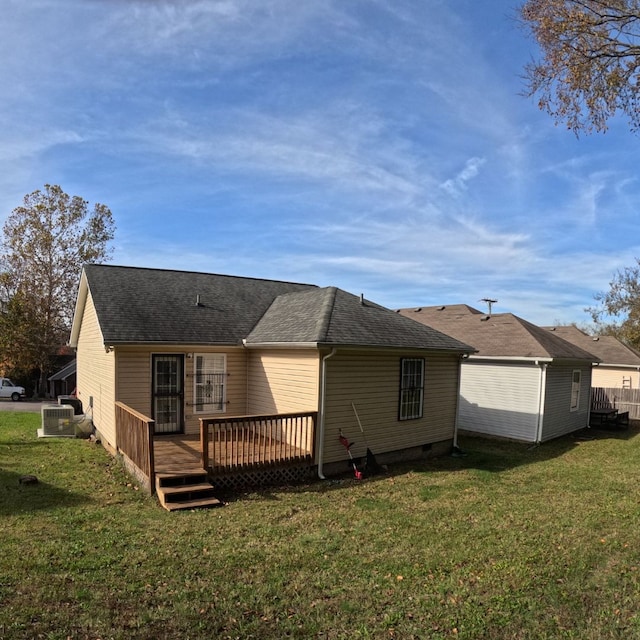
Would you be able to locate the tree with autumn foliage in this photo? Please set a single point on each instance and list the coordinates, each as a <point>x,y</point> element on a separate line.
<point>617,311</point>
<point>45,243</point>
<point>590,60</point>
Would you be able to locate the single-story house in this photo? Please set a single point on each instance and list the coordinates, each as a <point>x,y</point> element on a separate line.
<point>63,381</point>
<point>189,349</point>
<point>619,366</point>
<point>523,383</point>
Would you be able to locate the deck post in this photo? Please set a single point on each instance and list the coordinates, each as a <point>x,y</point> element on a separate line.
<point>151,429</point>
<point>204,444</point>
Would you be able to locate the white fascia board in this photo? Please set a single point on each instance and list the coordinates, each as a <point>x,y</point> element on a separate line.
<point>81,301</point>
<point>360,347</point>
<point>635,367</point>
<point>510,359</point>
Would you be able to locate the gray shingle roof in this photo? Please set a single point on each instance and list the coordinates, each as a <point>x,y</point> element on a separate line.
<point>136,305</point>
<point>64,373</point>
<point>334,317</point>
<point>610,350</point>
<point>142,306</point>
<point>499,335</point>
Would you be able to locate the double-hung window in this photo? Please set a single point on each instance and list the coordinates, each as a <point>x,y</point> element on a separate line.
<point>210,377</point>
<point>576,379</point>
<point>411,388</point>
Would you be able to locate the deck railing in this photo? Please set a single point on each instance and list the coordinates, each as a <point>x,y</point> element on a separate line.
<point>134,438</point>
<point>247,442</point>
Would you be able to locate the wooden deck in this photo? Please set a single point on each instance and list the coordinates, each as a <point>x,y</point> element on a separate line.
<point>177,454</point>
<point>239,448</point>
<point>181,454</point>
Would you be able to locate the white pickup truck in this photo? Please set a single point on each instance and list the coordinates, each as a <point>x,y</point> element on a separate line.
<point>10,390</point>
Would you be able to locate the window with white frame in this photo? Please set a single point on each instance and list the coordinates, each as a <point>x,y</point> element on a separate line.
<point>576,379</point>
<point>210,378</point>
<point>411,388</point>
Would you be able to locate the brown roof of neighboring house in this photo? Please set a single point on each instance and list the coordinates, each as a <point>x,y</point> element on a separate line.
<point>609,350</point>
<point>449,310</point>
<point>497,335</point>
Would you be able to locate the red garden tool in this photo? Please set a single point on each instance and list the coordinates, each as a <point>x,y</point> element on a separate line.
<point>347,445</point>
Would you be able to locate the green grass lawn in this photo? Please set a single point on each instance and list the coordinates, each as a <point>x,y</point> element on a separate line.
<point>506,542</point>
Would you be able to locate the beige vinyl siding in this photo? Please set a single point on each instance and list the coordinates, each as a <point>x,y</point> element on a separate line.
<point>558,417</point>
<point>500,399</point>
<point>283,381</point>
<point>371,381</point>
<point>96,376</point>
<point>135,380</point>
<point>615,377</point>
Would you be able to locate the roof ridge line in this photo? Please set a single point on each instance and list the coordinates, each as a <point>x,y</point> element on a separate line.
<point>326,314</point>
<point>198,273</point>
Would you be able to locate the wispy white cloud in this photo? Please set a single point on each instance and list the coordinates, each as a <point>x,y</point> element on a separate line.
<point>377,145</point>
<point>313,147</point>
<point>454,186</point>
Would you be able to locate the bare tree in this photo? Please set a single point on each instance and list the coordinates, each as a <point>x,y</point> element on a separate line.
<point>590,64</point>
<point>46,241</point>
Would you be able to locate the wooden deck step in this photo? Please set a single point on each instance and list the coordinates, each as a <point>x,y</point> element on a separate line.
<point>180,479</point>
<point>188,490</point>
<point>202,487</point>
<point>205,503</point>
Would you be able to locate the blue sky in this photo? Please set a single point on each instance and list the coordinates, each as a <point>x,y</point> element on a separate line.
<point>381,146</point>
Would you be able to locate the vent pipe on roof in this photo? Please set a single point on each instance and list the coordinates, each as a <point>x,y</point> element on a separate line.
<point>362,299</point>
<point>198,303</point>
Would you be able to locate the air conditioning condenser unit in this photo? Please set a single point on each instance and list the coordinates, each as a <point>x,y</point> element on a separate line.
<point>57,421</point>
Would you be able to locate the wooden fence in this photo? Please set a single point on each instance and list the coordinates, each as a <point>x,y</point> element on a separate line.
<point>624,400</point>
<point>134,438</point>
<point>247,442</point>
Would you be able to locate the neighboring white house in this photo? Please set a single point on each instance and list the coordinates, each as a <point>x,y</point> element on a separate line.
<point>524,382</point>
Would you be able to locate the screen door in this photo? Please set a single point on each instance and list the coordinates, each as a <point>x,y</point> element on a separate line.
<point>168,393</point>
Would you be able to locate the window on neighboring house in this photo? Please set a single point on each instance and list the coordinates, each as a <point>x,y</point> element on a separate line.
<point>575,389</point>
<point>411,388</point>
<point>210,376</point>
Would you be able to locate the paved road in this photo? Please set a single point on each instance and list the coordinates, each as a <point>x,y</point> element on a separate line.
<point>23,405</point>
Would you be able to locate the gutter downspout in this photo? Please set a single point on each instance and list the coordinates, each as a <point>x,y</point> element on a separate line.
<point>542,395</point>
<point>593,366</point>
<point>455,424</point>
<point>323,389</point>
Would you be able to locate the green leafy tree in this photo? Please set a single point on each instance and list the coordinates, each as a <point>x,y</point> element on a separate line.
<point>45,243</point>
<point>618,310</point>
<point>590,60</point>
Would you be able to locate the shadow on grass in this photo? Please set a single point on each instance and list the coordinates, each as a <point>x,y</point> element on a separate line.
<point>16,498</point>
<point>493,455</point>
<point>617,433</point>
<point>488,455</point>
